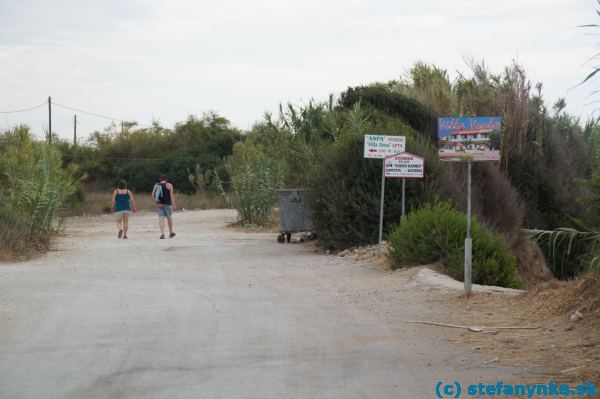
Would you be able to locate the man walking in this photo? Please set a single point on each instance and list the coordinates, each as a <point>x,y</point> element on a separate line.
<point>164,196</point>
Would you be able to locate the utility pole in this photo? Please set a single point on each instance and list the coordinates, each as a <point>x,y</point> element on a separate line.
<point>74,130</point>
<point>122,127</point>
<point>49,120</point>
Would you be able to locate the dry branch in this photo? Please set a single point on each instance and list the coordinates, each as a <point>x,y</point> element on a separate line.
<point>471,328</point>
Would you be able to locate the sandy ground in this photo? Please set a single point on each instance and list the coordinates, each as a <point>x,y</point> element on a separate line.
<point>219,313</point>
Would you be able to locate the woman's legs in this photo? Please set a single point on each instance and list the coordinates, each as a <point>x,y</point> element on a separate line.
<point>119,226</point>
<point>125,224</point>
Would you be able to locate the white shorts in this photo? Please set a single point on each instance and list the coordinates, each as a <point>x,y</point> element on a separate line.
<point>120,214</point>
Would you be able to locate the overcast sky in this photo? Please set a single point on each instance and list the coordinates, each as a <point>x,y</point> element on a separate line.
<point>164,60</point>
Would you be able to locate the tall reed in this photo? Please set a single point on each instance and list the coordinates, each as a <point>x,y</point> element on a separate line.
<point>34,187</point>
<point>254,186</point>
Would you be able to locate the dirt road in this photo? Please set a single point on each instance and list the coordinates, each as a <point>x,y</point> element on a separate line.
<point>216,313</point>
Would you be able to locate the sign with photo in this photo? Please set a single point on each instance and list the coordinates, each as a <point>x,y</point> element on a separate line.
<point>469,139</point>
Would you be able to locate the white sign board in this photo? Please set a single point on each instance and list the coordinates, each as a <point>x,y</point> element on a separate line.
<point>404,165</point>
<point>383,146</point>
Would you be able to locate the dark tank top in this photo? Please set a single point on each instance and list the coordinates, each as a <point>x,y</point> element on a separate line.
<point>166,194</point>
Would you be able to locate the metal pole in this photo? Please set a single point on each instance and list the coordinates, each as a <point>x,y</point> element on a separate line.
<point>469,199</point>
<point>403,196</point>
<point>49,120</point>
<point>468,240</point>
<point>381,206</point>
<point>74,129</point>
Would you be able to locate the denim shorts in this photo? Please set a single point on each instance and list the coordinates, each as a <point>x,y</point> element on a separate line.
<point>165,211</point>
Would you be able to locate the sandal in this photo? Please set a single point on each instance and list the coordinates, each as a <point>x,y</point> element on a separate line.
<point>171,235</point>
<point>120,234</point>
<point>162,237</point>
<point>124,237</point>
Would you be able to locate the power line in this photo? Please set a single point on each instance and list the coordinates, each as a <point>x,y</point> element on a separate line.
<point>24,110</point>
<point>100,158</point>
<point>97,115</point>
<point>124,158</point>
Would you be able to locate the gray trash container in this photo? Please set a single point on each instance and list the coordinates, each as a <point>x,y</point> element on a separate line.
<point>294,214</point>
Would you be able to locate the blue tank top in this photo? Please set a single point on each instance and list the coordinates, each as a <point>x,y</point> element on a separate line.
<point>122,202</point>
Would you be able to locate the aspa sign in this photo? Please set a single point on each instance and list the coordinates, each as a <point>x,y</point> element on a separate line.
<point>382,146</point>
<point>404,165</point>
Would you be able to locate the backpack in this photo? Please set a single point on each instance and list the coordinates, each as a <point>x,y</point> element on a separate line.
<point>158,193</point>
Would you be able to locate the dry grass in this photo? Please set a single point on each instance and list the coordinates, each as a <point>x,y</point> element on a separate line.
<point>27,253</point>
<point>560,349</point>
<point>271,224</point>
<point>99,202</point>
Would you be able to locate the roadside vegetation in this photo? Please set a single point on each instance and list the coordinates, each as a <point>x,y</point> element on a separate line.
<point>547,179</point>
<point>436,232</point>
<point>252,189</point>
<point>188,154</point>
<point>546,188</point>
<point>34,187</point>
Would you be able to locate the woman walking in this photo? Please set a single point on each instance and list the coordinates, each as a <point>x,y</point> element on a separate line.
<point>123,205</point>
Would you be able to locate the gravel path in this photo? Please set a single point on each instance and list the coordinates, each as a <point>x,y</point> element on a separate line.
<point>216,313</point>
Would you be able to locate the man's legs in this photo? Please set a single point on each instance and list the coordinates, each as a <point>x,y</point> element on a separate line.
<point>161,224</point>
<point>170,223</point>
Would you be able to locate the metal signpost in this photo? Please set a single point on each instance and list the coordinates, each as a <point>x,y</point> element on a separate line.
<point>404,166</point>
<point>468,240</point>
<point>380,147</point>
<point>469,139</point>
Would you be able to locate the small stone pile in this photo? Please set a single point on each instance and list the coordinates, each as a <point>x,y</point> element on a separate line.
<point>364,252</point>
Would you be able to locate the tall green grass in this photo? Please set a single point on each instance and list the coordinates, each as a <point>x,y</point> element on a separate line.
<point>34,187</point>
<point>570,252</point>
<point>253,188</point>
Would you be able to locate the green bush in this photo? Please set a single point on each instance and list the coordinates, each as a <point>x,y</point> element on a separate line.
<point>437,232</point>
<point>427,235</point>
<point>344,192</point>
<point>492,264</point>
<point>394,104</point>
